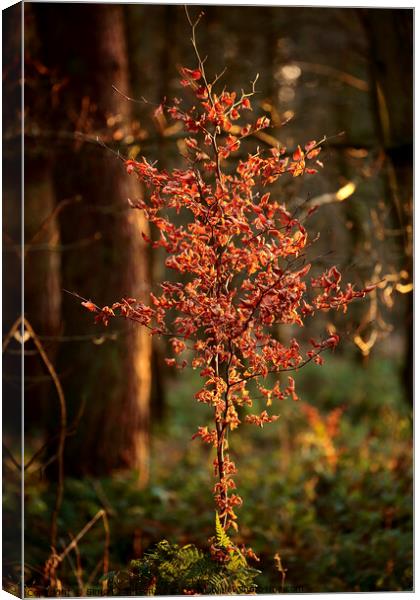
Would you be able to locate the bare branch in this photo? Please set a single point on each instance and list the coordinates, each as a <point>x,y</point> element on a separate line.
<point>295,368</point>
<point>62,431</point>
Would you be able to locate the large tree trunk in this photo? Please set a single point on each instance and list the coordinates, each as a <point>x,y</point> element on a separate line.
<point>104,255</point>
<point>390,33</point>
<point>42,293</point>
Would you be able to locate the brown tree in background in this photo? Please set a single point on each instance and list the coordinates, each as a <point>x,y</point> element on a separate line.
<point>101,246</point>
<point>392,85</point>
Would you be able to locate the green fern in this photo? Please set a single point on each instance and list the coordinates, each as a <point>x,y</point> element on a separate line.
<point>222,538</point>
<point>237,561</point>
<point>168,569</point>
<point>217,584</point>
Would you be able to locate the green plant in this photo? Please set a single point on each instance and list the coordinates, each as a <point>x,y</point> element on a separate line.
<point>187,570</point>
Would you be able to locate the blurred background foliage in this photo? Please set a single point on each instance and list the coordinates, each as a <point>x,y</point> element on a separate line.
<point>328,487</point>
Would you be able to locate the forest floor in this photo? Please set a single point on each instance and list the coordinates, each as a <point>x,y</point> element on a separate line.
<point>328,487</point>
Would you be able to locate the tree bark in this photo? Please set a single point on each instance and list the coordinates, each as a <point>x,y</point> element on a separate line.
<point>106,258</point>
<point>390,34</point>
<point>42,293</point>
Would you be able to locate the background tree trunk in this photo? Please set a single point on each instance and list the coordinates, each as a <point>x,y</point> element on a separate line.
<point>42,292</point>
<point>102,230</point>
<point>392,85</point>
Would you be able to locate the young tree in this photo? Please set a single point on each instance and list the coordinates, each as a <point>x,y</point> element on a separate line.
<point>240,267</point>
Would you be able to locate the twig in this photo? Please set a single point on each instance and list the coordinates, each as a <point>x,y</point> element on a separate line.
<point>106,551</point>
<point>142,99</point>
<point>79,536</point>
<point>11,333</point>
<point>96,484</point>
<point>347,78</point>
<point>116,154</point>
<point>295,368</point>
<point>55,559</point>
<point>94,572</point>
<point>62,430</point>
<point>208,87</point>
<point>78,571</point>
<point>53,214</point>
<point>12,458</point>
<point>70,431</point>
<point>281,570</point>
<point>43,246</point>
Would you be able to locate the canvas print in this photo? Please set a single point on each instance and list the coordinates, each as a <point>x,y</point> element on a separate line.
<point>207,299</point>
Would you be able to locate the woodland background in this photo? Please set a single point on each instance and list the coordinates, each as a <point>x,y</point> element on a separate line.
<point>329,486</point>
